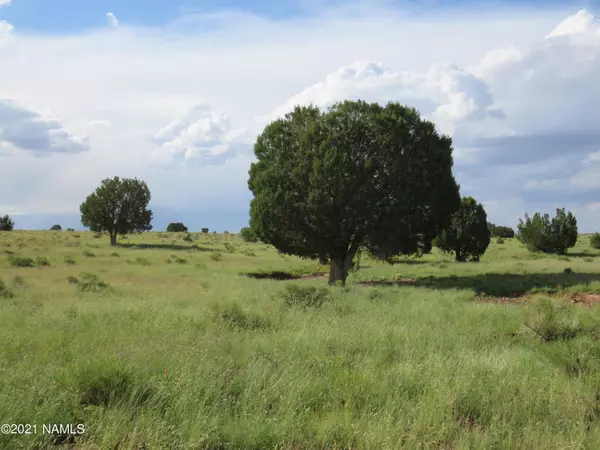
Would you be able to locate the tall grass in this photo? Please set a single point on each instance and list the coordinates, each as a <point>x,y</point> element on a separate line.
<point>199,355</point>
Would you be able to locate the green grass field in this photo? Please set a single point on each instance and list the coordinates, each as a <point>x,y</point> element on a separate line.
<point>164,343</point>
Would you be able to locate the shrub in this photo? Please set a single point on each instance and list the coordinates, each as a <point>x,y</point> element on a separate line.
<point>42,261</point>
<point>4,291</point>
<point>6,223</point>
<point>89,282</point>
<point>19,282</point>
<point>540,234</point>
<point>178,260</point>
<point>56,228</point>
<point>249,253</point>
<point>468,235</point>
<point>595,240</point>
<point>234,316</point>
<point>205,230</point>
<point>248,235</point>
<point>21,261</point>
<point>229,247</point>
<point>501,231</point>
<point>551,321</point>
<point>142,261</point>
<point>305,296</point>
<point>115,255</point>
<point>70,229</point>
<point>188,237</point>
<point>216,256</point>
<point>70,260</point>
<point>500,240</point>
<point>88,254</point>
<point>176,227</point>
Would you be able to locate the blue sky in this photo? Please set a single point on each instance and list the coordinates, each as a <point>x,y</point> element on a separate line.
<point>175,93</point>
<point>69,16</point>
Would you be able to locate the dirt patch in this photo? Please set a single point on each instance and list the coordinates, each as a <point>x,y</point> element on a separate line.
<point>314,277</point>
<point>512,300</point>
<point>584,299</point>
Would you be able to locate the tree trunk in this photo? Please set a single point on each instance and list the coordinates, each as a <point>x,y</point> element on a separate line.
<point>459,256</point>
<point>113,238</point>
<point>339,268</point>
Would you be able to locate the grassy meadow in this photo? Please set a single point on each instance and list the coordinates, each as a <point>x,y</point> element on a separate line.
<point>165,342</point>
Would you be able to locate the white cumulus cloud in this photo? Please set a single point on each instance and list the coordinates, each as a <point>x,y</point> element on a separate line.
<point>112,20</point>
<point>445,92</point>
<point>203,135</point>
<point>5,3</point>
<point>5,31</point>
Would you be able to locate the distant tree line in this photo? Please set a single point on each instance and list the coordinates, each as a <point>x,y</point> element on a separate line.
<point>500,231</point>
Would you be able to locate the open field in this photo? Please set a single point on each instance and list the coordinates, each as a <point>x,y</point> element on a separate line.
<point>166,345</point>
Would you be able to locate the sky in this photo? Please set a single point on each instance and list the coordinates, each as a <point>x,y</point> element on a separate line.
<point>176,92</point>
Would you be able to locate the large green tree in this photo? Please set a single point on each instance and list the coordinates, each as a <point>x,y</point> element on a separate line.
<point>468,235</point>
<point>327,183</point>
<point>118,206</point>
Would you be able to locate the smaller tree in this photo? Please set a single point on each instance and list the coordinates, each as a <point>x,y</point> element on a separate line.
<point>540,234</point>
<point>205,230</point>
<point>6,223</point>
<point>56,228</point>
<point>468,235</point>
<point>176,227</point>
<point>118,206</point>
<point>248,234</point>
<point>595,240</point>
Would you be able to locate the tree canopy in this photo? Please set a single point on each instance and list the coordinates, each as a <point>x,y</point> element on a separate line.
<point>118,206</point>
<point>468,235</point>
<point>356,175</point>
<point>542,234</point>
<point>501,231</point>
<point>6,223</point>
<point>176,227</point>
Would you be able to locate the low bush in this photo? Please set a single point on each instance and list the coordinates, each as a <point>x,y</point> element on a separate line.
<point>248,234</point>
<point>305,296</point>
<point>5,292</point>
<point>216,256</point>
<point>21,261</point>
<point>56,228</point>
<point>233,315</point>
<point>70,260</point>
<point>89,282</point>
<point>42,261</point>
<point>188,237</point>
<point>500,240</point>
<point>88,254</point>
<point>595,240</point>
<point>552,321</point>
